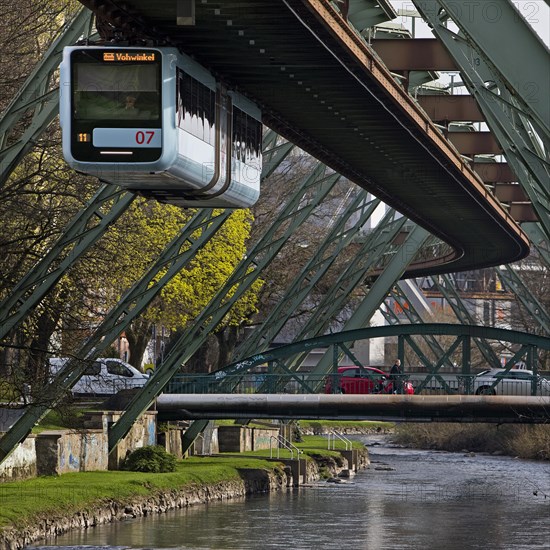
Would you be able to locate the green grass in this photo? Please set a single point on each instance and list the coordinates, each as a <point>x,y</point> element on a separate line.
<point>311,445</point>
<point>22,501</point>
<point>320,443</point>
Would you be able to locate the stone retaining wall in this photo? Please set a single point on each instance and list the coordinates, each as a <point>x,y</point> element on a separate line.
<point>253,481</point>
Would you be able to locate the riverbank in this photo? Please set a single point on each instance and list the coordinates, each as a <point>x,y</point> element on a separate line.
<point>34,509</point>
<point>522,441</point>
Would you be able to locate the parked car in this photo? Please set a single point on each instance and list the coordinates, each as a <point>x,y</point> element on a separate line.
<point>514,382</point>
<point>359,380</point>
<point>104,376</point>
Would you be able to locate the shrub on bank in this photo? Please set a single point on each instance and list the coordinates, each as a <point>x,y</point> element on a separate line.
<point>524,441</point>
<point>151,459</point>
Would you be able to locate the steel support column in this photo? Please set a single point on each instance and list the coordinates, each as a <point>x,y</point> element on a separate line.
<point>379,290</point>
<point>512,281</point>
<point>176,255</point>
<point>508,43</point>
<point>341,235</point>
<point>85,229</point>
<point>520,124</point>
<point>36,95</point>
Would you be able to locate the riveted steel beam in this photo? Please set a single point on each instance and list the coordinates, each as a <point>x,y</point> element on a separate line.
<point>379,289</point>
<point>495,172</point>
<point>342,234</point>
<point>508,44</point>
<point>511,277</point>
<point>512,113</point>
<point>475,143</point>
<point>448,108</point>
<point>447,288</point>
<point>414,54</point>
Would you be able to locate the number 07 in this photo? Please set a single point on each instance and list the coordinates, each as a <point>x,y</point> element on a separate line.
<point>144,137</point>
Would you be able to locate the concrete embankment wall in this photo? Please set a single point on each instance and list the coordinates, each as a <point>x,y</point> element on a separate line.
<point>55,452</point>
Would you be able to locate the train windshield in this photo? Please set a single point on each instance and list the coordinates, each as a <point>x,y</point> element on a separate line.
<point>115,90</point>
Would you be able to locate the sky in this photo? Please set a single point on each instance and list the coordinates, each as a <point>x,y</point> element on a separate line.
<point>535,12</point>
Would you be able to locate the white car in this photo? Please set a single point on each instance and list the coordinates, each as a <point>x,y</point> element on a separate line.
<point>513,382</point>
<point>104,376</point>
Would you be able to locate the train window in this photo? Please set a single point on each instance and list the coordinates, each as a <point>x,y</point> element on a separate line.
<point>196,108</point>
<point>247,136</point>
<point>116,92</point>
<point>115,107</point>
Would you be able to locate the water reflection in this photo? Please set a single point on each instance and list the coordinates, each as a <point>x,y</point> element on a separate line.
<point>406,500</point>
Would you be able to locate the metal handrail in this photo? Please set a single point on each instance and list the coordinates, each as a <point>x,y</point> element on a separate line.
<point>281,441</point>
<point>341,437</point>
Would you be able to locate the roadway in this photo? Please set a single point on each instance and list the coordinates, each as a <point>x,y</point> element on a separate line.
<point>323,88</point>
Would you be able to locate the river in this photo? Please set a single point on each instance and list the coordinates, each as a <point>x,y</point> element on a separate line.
<point>407,499</point>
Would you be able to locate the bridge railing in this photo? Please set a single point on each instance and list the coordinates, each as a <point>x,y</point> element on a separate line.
<point>516,384</point>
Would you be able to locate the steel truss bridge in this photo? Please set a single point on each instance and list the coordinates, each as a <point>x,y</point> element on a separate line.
<point>361,121</point>
<point>213,396</point>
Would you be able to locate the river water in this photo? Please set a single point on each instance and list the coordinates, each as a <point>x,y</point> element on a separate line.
<point>407,499</point>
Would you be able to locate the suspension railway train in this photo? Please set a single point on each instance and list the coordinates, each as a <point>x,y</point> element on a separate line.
<point>154,121</point>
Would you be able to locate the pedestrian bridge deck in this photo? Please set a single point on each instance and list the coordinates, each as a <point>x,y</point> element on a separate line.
<point>412,408</point>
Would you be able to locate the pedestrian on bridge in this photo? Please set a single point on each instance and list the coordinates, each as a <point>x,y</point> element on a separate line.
<point>396,377</point>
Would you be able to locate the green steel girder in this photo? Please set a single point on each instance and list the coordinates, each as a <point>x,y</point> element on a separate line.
<point>194,430</point>
<point>433,369</point>
<point>368,257</point>
<point>508,44</point>
<point>84,230</point>
<point>538,240</point>
<point>306,198</point>
<point>35,94</point>
<point>336,240</point>
<point>413,316</point>
<point>448,290</point>
<point>529,163</point>
<point>378,291</point>
<point>176,255</point>
<point>363,14</point>
<point>507,113</point>
<point>512,281</point>
<point>274,152</point>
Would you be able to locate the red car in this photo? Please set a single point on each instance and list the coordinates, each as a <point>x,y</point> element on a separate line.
<point>357,380</point>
